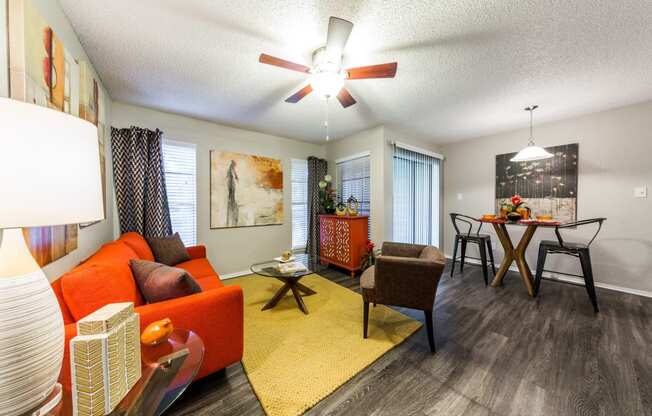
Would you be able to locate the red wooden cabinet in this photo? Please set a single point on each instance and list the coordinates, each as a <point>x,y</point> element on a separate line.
<point>343,240</point>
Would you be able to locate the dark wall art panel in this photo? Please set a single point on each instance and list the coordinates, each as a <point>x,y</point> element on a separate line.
<point>547,186</point>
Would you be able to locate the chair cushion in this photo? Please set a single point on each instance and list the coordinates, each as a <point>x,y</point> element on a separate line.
<point>169,250</point>
<point>138,244</point>
<point>159,282</point>
<point>432,253</point>
<point>367,280</point>
<point>86,289</point>
<point>198,268</point>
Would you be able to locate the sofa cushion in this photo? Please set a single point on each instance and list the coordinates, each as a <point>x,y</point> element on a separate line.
<point>159,282</point>
<point>138,244</point>
<point>210,283</point>
<point>169,250</point>
<point>86,289</point>
<point>367,280</point>
<point>198,268</point>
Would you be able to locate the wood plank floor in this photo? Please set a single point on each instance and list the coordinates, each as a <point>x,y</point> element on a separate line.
<point>499,352</point>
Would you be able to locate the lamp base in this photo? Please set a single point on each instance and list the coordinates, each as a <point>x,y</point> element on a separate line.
<point>31,329</point>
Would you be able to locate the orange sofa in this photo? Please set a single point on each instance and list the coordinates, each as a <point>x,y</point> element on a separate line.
<point>215,314</point>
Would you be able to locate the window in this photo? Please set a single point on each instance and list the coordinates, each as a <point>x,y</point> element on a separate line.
<point>416,197</point>
<point>299,177</point>
<point>180,168</point>
<point>354,179</point>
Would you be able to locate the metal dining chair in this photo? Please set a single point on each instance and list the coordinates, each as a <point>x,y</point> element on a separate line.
<point>482,240</point>
<point>579,250</point>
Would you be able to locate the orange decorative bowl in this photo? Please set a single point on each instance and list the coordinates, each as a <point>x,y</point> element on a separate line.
<point>544,217</point>
<point>157,332</point>
<point>489,217</point>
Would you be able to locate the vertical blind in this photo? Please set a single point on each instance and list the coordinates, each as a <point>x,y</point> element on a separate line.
<point>299,178</point>
<point>416,197</point>
<point>180,168</point>
<point>354,179</point>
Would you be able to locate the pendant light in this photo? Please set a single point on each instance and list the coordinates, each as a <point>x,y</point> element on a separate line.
<point>532,151</point>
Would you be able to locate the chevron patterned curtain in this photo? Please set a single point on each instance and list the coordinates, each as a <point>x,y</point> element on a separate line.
<point>317,169</point>
<point>140,182</point>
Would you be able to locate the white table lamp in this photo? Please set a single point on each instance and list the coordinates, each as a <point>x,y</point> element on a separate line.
<point>49,175</point>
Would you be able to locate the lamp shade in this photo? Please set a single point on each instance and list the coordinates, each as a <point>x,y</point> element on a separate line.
<point>49,167</point>
<point>531,153</point>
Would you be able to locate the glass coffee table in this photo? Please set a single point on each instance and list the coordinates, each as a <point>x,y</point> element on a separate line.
<point>290,280</point>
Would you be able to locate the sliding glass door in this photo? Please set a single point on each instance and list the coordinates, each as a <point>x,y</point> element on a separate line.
<point>416,197</point>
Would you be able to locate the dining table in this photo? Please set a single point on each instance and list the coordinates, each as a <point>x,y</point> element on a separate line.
<point>516,254</point>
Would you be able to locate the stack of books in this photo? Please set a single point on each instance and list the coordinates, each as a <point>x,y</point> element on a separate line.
<point>291,267</point>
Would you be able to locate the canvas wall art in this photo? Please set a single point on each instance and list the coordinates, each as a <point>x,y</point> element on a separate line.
<point>45,73</point>
<point>245,190</point>
<point>547,186</point>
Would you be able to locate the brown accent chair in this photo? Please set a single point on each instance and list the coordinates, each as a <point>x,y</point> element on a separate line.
<point>405,275</point>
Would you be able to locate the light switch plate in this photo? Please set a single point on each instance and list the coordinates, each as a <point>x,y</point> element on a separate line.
<point>459,197</point>
<point>640,192</point>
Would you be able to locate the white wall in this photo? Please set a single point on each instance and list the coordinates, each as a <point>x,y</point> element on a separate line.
<point>230,250</point>
<point>614,157</point>
<point>4,57</point>
<point>376,141</point>
<point>89,239</point>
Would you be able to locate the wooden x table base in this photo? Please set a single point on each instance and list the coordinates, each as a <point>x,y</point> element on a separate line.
<point>291,283</point>
<point>515,254</point>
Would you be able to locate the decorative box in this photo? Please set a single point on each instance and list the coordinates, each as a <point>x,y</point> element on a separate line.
<point>105,359</point>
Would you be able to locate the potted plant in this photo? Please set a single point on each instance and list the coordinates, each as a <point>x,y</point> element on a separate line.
<point>514,209</point>
<point>369,256</point>
<point>327,195</point>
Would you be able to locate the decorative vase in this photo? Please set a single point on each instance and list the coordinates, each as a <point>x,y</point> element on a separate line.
<point>31,328</point>
<point>157,332</point>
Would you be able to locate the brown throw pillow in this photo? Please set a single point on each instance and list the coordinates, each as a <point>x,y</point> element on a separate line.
<point>158,282</point>
<point>168,250</point>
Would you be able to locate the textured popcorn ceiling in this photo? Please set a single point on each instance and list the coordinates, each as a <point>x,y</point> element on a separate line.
<point>466,68</point>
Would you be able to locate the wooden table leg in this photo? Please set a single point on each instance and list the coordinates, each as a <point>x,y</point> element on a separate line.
<point>519,255</point>
<point>278,296</point>
<point>508,248</point>
<point>305,289</point>
<point>515,255</point>
<point>297,297</point>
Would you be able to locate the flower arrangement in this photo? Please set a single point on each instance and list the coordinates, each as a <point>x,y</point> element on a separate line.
<point>369,256</point>
<point>515,209</point>
<point>327,195</point>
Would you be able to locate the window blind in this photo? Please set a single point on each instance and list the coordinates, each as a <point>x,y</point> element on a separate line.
<point>354,179</point>
<point>180,168</point>
<point>299,179</point>
<point>416,197</point>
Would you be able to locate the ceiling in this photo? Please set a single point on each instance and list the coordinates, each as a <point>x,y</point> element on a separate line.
<point>466,68</point>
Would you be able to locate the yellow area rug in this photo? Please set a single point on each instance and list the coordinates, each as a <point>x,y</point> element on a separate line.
<point>295,360</point>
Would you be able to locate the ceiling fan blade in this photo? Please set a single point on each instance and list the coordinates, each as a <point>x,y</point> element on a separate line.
<point>294,98</point>
<point>338,33</point>
<point>345,98</point>
<point>373,71</point>
<point>272,60</point>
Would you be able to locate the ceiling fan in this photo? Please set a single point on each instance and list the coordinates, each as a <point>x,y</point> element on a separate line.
<point>327,75</point>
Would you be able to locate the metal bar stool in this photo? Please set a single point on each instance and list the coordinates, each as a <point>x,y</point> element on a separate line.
<point>579,250</point>
<point>482,240</point>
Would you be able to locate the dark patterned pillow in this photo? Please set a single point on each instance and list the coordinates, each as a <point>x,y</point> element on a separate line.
<point>158,282</point>
<point>168,250</point>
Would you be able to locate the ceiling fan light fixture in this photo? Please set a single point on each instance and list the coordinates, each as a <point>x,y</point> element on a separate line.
<point>327,84</point>
<point>532,152</point>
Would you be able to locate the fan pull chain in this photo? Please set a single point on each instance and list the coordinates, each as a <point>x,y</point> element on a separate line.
<point>326,120</point>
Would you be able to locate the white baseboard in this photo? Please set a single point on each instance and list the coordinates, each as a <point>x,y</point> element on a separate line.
<point>571,279</point>
<point>234,274</point>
